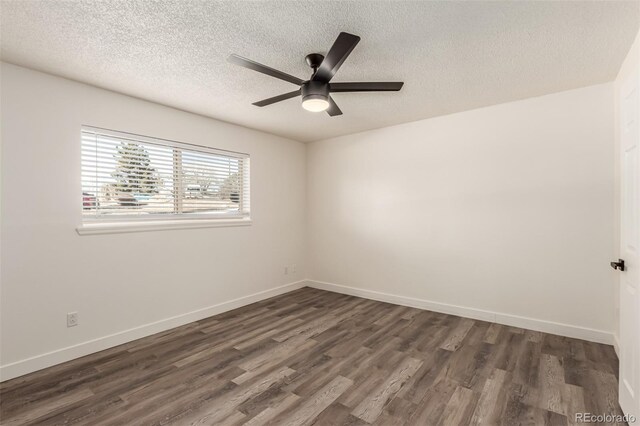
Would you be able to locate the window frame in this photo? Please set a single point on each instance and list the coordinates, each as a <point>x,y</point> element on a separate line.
<point>160,221</point>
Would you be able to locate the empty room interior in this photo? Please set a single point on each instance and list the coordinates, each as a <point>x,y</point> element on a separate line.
<point>319,212</point>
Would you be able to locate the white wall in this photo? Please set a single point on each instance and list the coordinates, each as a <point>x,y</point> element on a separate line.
<point>49,270</point>
<point>507,210</point>
<point>630,65</point>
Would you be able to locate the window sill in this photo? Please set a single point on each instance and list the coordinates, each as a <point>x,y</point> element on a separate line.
<point>159,225</point>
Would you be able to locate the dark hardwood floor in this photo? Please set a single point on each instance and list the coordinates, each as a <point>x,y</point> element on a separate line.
<point>315,357</point>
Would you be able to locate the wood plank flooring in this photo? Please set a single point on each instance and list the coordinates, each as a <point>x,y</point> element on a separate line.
<point>316,357</point>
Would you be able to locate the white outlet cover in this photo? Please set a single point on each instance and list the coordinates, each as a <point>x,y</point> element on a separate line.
<point>72,319</point>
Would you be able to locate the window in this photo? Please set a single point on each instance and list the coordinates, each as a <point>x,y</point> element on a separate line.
<point>135,178</point>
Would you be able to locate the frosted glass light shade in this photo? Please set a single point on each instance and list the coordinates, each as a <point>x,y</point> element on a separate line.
<point>315,104</point>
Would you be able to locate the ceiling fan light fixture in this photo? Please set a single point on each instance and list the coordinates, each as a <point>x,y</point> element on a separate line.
<point>316,92</point>
<point>315,103</point>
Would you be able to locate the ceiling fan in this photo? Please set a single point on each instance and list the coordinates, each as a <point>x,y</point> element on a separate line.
<point>316,92</point>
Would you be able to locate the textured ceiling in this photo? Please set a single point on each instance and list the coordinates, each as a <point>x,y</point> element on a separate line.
<point>452,56</point>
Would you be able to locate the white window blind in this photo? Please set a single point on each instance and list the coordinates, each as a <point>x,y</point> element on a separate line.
<point>130,177</point>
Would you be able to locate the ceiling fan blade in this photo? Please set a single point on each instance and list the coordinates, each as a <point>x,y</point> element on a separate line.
<point>278,98</point>
<point>333,109</point>
<point>386,86</point>
<point>252,65</point>
<point>340,50</point>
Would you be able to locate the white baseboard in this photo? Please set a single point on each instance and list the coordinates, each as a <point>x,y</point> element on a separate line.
<point>38,362</point>
<point>616,344</point>
<point>589,334</point>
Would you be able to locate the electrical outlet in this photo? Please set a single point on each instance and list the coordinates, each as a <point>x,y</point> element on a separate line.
<point>293,268</point>
<point>72,319</point>
<point>286,270</point>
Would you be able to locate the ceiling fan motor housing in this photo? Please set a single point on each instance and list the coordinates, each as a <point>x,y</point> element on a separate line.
<point>315,90</point>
